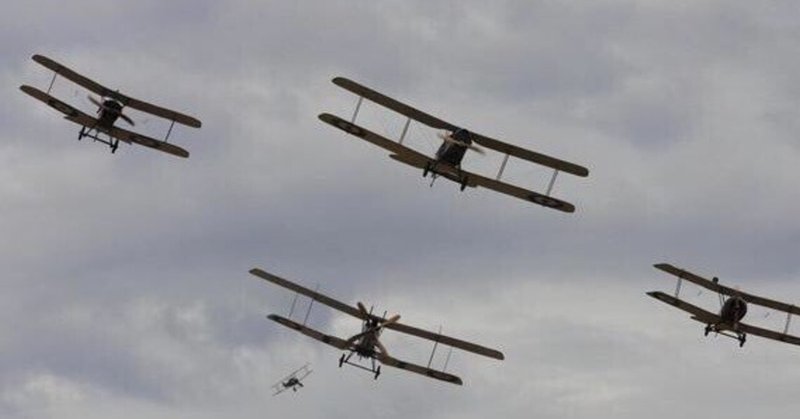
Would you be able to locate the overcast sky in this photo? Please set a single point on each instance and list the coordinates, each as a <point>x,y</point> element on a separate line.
<point>125,291</point>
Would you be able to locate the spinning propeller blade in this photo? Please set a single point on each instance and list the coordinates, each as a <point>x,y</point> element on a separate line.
<point>362,308</point>
<point>382,348</point>
<point>95,101</point>
<point>374,329</point>
<point>126,118</point>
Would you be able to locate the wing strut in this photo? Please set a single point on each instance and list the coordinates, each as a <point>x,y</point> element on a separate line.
<point>310,304</point>
<point>678,287</point>
<point>552,182</point>
<point>169,131</point>
<point>447,360</point>
<point>503,167</point>
<point>405,131</point>
<point>788,321</point>
<point>294,303</point>
<point>435,344</point>
<point>53,80</point>
<point>358,107</point>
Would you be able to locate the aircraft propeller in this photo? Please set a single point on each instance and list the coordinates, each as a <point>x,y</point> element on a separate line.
<point>373,329</point>
<point>447,137</point>
<point>100,104</point>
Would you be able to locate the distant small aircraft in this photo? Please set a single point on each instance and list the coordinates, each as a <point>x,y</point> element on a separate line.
<point>732,310</point>
<point>109,109</point>
<point>292,381</point>
<point>455,143</point>
<point>366,344</point>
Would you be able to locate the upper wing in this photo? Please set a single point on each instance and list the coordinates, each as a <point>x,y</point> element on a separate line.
<point>697,313</point>
<point>159,111</point>
<point>106,92</point>
<point>716,287</point>
<point>132,137</point>
<point>473,180</point>
<point>394,105</point>
<point>769,334</point>
<point>368,135</point>
<point>532,156</point>
<point>446,340</point>
<point>439,375</point>
<point>330,340</point>
<point>328,301</point>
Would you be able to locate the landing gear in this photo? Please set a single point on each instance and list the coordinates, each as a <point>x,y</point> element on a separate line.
<point>742,339</point>
<point>708,329</point>
<point>464,181</point>
<point>111,142</point>
<point>377,372</point>
<point>426,170</point>
<point>341,361</point>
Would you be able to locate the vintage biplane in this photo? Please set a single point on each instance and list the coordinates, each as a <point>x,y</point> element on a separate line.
<point>733,307</point>
<point>109,108</point>
<point>366,344</point>
<point>292,381</point>
<point>455,143</point>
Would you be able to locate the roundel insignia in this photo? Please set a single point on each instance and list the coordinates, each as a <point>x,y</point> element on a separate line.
<point>546,201</point>
<point>62,107</point>
<point>349,128</point>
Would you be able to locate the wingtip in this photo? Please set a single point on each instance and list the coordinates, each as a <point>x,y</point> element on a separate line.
<point>658,295</point>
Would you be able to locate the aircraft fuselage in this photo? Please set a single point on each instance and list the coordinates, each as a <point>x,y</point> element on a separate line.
<point>733,310</point>
<point>452,153</point>
<point>108,114</point>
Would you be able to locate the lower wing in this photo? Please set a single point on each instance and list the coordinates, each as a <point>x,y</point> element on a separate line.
<point>769,334</point>
<point>697,313</point>
<point>132,137</point>
<point>69,112</point>
<point>330,340</point>
<point>419,369</point>
<point>368,135</point>
<point>472,180</point>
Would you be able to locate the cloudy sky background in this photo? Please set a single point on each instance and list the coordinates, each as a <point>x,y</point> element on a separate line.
<point>126,292</point>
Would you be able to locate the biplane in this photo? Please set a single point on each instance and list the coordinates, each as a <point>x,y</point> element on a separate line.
<point>110,107</point>
<point>366,344</point>
<point>292,381</point>
<point>733,307</point>
<point>456,141</point>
